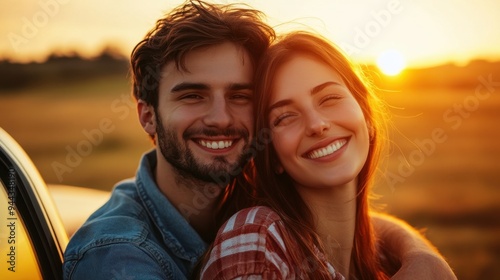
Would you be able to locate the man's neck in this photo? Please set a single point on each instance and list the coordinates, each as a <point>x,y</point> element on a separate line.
<point>196,200</point>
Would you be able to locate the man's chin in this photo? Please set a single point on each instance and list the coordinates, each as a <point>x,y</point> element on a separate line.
<point>220,175</point>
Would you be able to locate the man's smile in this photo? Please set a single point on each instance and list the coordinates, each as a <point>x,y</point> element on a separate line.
<point>215,145</point>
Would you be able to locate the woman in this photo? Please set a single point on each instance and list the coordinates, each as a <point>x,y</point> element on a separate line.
<point>313,179</point>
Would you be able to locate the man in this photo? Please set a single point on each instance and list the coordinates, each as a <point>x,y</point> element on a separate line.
<point>192,79</point>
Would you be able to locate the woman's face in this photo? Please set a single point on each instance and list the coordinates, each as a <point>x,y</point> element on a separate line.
<point>319,131</point>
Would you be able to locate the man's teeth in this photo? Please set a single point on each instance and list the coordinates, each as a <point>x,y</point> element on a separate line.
<point>216,144</point>
<point>330,149</point>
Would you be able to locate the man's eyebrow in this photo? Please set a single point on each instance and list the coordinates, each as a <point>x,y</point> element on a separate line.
<point>200,86</point>
<point>189,86</point>
<point>236,87</point>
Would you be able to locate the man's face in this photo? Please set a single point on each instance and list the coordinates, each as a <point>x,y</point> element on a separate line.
<point>204,116</point>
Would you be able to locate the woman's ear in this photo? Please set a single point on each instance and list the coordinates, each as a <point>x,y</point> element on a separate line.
<point>278,169</point>
<point>147,117</point>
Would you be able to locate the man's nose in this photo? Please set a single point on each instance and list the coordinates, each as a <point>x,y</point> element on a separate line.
<point>219,114</point>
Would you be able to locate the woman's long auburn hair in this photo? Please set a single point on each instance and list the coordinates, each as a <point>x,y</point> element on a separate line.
<point>276,191</point>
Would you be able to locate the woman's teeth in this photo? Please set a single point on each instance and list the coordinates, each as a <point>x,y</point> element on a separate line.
<point>328,150</point>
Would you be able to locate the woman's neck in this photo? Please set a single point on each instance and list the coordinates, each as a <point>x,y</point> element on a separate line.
<point>335,219</point>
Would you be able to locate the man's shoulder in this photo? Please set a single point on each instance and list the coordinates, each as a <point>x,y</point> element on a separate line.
<point>121,232</point>
<point>103,251</point>
<point>121,219</point>
<point>123,202</point>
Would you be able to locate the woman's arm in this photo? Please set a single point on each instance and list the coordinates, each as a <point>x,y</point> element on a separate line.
<point>409,253</point>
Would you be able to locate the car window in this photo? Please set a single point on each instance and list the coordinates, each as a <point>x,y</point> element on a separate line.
<point>16,250</point>
<point>27,207</point>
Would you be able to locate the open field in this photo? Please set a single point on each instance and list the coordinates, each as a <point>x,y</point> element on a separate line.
<point>442,172</point>
<point>83,134</point>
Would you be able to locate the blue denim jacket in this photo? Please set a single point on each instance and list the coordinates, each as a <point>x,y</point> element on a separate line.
<point>137,234</point>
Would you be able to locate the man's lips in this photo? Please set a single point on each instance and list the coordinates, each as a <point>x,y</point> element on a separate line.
<point>327,150</point>
<point>216,139</point>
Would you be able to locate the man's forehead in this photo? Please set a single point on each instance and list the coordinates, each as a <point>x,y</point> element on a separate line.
<point>220,64</point>
<point>208,55</point>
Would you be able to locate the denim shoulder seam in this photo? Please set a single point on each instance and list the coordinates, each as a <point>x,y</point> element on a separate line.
<point>144,246</point>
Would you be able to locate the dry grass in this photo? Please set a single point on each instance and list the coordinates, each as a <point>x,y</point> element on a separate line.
<point>51,122</point>
<point>453,192</point>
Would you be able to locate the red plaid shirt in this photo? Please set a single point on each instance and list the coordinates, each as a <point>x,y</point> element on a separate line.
<point>250,246</point>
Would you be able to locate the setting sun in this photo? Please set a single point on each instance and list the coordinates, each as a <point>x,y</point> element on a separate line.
<point>391,62</point>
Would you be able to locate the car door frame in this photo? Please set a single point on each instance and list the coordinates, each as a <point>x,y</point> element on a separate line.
<point>34,205</point>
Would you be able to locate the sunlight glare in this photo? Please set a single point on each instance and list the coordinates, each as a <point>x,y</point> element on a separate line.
<point>391,62</point>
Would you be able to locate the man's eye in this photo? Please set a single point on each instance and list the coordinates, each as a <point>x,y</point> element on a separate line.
<point>191,96</point>
<point>241,97</point>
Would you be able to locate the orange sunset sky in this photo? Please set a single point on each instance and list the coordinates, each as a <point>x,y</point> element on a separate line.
<point>423,32</point>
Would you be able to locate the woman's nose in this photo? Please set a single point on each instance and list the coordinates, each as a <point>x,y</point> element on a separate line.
<point>316,124</point>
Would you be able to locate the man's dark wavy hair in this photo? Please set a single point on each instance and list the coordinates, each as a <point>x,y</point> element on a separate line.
<point>193,25</point>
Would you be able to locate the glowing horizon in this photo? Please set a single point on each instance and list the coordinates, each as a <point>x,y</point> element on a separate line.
<point>425,32</point>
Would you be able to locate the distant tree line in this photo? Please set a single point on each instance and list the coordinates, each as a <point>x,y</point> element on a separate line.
<point>68,68</point>
<point>445,75</point>
<point>61,68</point>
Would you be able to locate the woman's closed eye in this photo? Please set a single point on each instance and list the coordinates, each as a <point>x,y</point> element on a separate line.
<point>283,119</point>
<point>330,99</point>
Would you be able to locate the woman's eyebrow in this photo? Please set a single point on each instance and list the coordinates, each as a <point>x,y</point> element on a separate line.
<point>320,87</point>
<point>280,103</point>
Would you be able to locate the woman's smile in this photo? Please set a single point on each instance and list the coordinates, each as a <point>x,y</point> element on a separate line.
<point>328,150</point>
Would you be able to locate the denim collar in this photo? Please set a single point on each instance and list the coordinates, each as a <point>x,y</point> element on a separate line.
<point>177,233</point>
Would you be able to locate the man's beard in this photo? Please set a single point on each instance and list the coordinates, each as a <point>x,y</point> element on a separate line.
<point>182,158</point>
